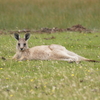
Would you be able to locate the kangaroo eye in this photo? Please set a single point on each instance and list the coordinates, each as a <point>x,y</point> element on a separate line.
<point>24,44</point>
<point>18,44</point>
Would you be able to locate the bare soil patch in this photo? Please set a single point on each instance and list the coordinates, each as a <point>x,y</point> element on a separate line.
<point>79,28</point>
<point>75,28</point>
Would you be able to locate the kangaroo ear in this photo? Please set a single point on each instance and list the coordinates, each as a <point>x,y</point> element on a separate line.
<point>27,36</point>
<point>16,36</point>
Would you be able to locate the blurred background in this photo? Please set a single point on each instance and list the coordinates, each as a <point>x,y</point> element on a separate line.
<point>35,14</point>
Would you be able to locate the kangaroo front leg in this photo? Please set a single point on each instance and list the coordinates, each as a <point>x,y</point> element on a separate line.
<point>15,57</point>
<point>23,58</point>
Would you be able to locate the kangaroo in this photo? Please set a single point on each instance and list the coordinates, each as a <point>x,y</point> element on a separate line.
<point>44,52</point>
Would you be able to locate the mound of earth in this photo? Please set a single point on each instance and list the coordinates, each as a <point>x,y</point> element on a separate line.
<point>75,28</point>
<point>50,30</point>
<point>78,28</point>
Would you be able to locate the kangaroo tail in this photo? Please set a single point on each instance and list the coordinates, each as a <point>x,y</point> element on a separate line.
<point>89,60</point>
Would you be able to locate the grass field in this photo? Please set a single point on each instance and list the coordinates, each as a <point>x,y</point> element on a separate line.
<point>50,80</point>
<point>34,14</point>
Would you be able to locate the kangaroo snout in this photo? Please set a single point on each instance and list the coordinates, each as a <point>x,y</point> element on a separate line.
<point>21,46</point>
<point>21,49</point>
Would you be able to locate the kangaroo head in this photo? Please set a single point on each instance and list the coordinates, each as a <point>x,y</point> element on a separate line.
<point>22,42</point>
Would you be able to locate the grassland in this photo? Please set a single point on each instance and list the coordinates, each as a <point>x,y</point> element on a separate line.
<point>50,80</point>
<point>34,14</point>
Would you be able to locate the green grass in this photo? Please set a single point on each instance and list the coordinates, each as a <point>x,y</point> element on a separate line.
<point>34,14</point>
<point>51,80</point>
